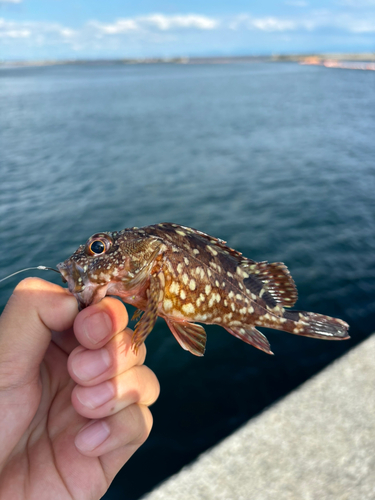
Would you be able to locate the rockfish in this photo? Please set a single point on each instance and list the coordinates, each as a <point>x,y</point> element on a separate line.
<point>188,277</point>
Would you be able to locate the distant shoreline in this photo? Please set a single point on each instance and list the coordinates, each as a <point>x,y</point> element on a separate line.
<point>347,61</point>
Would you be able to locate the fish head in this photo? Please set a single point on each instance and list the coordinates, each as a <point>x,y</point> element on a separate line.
<point>110,263</point>
<point>93,267</point>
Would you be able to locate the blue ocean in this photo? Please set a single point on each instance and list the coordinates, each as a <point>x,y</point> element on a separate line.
<point>277,159</point>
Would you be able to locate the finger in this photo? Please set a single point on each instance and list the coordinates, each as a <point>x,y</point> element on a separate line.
<point>125,430</point>
<point>35,308</point>
<point>137,385</point>
<point>97,324</point>
<point>91,367</point>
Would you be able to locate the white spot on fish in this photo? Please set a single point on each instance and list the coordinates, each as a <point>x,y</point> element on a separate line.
<point>192,284</point>
<point>208,289</point>
<point>174,288</point>
<point>241,272</point>
<point>167,304</point>
<point>211,249</point>
<point>188,308</point>
<point>201,317</point>
<point>180,268</point>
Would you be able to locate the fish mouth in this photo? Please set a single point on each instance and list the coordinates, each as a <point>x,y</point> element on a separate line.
<point>73,275</point>
<point>79,284</point>
<point>76,278</point>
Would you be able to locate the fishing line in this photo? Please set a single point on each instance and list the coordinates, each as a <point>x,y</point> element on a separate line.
<point>42,268</point>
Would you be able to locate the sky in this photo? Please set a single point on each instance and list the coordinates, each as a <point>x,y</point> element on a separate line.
<point>96,29</point>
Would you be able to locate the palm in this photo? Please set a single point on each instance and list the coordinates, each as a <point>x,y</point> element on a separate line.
<point>47,450</point>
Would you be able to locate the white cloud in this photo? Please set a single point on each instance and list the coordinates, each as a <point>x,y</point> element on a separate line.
<point>13,30</point>
<point>146,33</point>
<point>314,21</point>
<point>194,21</point>
<point>118,27</point>
<point>262,23</point>
<point>159,22</point>
<point>10,1</point>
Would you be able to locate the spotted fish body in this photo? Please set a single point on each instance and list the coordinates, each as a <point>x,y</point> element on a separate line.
<point>186,276</point>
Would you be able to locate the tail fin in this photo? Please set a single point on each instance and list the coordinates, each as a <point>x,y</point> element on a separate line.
<point>315,325</point>
<point>307,324</point>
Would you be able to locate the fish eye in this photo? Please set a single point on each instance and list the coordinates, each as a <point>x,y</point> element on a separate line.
<point>98,244</point>
<point>97,247</point>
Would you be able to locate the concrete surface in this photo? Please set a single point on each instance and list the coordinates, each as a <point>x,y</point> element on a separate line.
<point>316,443</point>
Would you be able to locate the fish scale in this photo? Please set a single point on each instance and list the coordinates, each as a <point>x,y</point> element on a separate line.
<point>186,276</point>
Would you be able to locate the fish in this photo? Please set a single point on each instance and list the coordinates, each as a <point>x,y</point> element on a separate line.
<point>188,277</point>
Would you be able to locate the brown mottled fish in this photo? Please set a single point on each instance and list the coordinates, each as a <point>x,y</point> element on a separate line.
<point>186,276</point>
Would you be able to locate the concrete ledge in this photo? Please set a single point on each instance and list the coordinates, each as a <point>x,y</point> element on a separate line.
<point>317,443</point>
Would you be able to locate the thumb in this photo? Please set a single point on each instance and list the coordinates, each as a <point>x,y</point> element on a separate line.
<point>35,308</point>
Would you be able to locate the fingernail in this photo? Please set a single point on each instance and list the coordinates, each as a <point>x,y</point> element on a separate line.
<point>92,436</point>
<point>92,397</point>
<point>97,327</point>
<point>90,364</point>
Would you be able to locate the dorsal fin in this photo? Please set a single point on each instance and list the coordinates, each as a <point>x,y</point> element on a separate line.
<point>205,238</point>
<point>276,279</point>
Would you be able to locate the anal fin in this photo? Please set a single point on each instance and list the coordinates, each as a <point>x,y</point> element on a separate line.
<point>251,335</point>
<point>190,336</point>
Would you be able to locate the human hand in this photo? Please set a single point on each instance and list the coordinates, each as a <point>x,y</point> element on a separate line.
<point>73,395</point>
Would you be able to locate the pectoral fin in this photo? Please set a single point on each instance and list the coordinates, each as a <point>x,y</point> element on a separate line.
<point>147,321</point>
<point>190,336</point>
<point>137,314</point>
